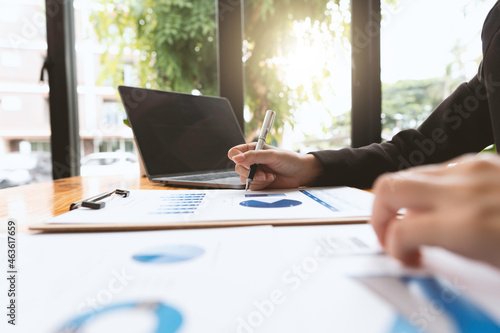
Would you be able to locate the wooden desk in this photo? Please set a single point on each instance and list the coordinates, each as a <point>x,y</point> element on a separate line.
<point>35,203</point>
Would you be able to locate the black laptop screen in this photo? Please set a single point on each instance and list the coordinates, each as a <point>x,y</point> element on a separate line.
<point>181,133</point>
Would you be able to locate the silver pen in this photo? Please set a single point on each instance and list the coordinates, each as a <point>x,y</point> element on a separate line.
<point>267,125</point>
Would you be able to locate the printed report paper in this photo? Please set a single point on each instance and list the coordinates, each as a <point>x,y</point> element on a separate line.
<point>178,206</point>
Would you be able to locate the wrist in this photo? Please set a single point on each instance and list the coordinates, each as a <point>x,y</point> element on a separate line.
<point>313,170</point>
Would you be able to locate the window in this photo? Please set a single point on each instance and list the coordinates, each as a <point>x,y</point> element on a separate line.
<point>24,126</point>
<point>153,44</point>
<point>428,48</point>
<point>298,62</point>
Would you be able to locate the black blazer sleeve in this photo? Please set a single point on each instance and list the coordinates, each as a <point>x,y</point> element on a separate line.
<point>467,121</point>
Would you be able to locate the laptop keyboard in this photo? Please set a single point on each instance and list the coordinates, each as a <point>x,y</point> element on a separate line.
<point>209,176</point>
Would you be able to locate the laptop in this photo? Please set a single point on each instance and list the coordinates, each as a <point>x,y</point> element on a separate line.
<point>183,139</point>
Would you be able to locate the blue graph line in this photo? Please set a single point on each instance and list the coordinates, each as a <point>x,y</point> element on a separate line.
<point>169,319</point>
<point>401,325</point>
<point>318,200</point>
<point>277,204</point>
<point>467,316</point>
<point>169,254</point>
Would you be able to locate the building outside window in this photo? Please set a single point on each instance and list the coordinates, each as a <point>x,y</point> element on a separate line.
<point>24,113</point>
<point>152,44</point>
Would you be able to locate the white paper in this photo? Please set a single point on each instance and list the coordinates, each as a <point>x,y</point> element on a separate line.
<point>66,276</point>
<point>174,206</point>
<point>253,279</point>
<point>241,283</point>
<point>409,304</point>
<point>476,279</point>
<point>351,250</point>
<point>313,255</point>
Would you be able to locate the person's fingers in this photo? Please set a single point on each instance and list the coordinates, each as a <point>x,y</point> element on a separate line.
<point>243,148</point>
<point>241,170</point>
<point>237,150</point>
<point>256,157</point>
<point>453,170</point>
<point>402,190</point>
<point>262,180</point>
<point>405,236</point>
<point>260,175</point>
<point>441,168</point>
<point>462,159</point>
<point>430,169</point>
<point>239,159</point>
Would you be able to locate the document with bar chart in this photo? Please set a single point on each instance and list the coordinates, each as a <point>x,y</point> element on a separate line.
<point>205,208</point>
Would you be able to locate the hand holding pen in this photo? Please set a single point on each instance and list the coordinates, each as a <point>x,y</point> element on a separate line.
<point>278,168</point>
<point>267,125</point>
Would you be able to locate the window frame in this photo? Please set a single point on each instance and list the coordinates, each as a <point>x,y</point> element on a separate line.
<point>366,89</point>
<point>366,125</point>
<point>61,67</point>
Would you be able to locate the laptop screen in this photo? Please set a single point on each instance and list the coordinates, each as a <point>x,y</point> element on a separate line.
<point>181,133</point>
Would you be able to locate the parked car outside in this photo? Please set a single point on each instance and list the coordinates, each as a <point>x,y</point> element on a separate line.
<point>109,163</point>
<point>24,168</point>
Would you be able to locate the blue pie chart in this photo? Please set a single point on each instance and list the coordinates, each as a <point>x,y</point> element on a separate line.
<point>169,254</point>
<point>168,319</point>
<point>276,204</point>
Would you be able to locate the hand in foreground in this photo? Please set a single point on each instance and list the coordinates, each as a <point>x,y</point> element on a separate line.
<point>278,168</point>
<point>457,208</point>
